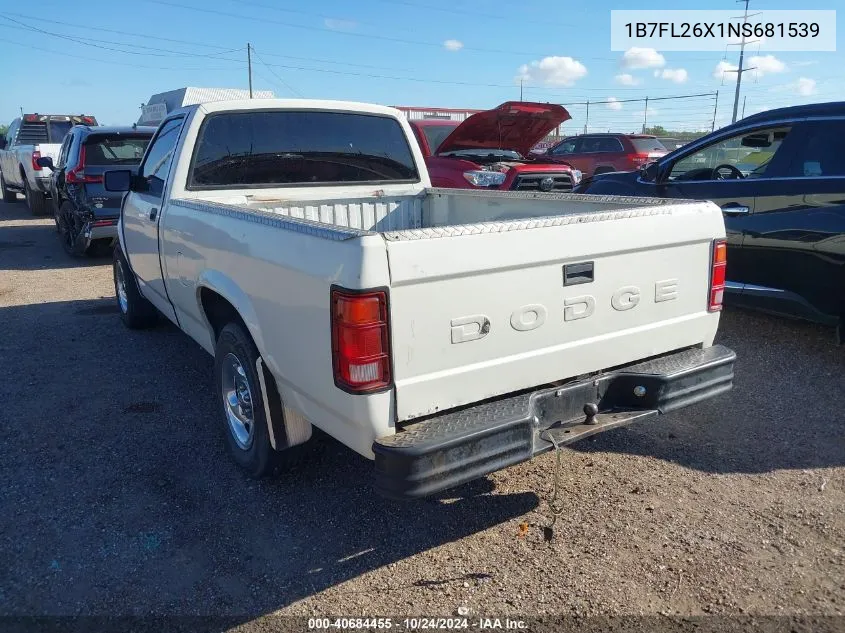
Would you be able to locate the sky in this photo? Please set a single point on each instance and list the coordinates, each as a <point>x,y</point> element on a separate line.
<point>109,58</point>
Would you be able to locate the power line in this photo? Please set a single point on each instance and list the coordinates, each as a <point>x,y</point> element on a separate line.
<point>89,42</point>
<point>273,72</point>
<point>104,61</point>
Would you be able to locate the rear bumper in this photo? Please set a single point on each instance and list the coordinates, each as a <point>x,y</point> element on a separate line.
<point>100,230</point>
<point>447,450</point>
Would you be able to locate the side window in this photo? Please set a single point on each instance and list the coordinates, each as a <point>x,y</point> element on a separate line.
<point>746,155</point>
<point>589,145</point>
<point>569,146</point>
<point>64,150</point>
<point>157,161</point>
<point>820,154</point>
<point>13,130</point>
<point>608,144</point>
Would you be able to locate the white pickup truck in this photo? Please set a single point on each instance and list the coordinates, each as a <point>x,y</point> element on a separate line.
<point>443,333</point>
<point>30,137</point>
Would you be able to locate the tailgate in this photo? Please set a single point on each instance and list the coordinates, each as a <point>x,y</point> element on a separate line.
<point>483,310</point>
<point>49,149</point>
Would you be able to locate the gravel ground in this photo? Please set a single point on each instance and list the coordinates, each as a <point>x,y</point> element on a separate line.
<point>118,497</point>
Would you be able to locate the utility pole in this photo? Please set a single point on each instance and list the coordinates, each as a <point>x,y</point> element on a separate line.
<point>743,105</point>
<point>645,115</point>
<point>715,110</point>
<point>520,89</point>
<point>249,66</point>
<point>587,118</point>
<point>740,68</point>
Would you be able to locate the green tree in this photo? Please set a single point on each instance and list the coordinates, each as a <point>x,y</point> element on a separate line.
<point>3,130</point>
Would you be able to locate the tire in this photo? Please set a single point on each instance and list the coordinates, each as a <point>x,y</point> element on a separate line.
<point>8,196</point>
<point>70,231</point>
<point>35,200</point>
<point>135,311</point>
<point>235,356</point>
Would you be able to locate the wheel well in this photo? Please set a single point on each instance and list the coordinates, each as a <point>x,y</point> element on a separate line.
<point>604,169</point>
<point>218,311</point>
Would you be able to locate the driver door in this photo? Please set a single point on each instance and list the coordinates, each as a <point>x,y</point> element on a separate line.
<point>730,171</point>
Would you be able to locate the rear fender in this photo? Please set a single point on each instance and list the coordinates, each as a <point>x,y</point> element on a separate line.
<point>224,286</point>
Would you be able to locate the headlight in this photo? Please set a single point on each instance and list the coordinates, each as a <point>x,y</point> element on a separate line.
<point>577,176</point>
<point>481,178</point>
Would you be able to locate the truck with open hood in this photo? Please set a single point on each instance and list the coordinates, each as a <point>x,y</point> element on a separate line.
<point>492,149</point>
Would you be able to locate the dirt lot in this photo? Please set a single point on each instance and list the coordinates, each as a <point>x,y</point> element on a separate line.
<point>117,496</point>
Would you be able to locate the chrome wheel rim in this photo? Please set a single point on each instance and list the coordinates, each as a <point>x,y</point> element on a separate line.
<point>237,401</point>
<point>120,286</point>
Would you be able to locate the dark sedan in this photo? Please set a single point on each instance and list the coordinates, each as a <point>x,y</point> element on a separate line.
<point>779,177</point>
<point>86,214</point>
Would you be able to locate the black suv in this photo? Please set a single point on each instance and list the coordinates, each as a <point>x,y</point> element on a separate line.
<point>86,214</point>
<point>779,177</point>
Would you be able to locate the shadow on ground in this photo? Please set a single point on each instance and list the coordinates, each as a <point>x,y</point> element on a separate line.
<point>785,411</point>
<point>117,489</point>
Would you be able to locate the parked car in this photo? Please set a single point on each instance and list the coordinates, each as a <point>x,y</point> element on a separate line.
<point>779,177</point>
<point>29,138</point>
<point>603,153</point>
<point>86,214</point>
<point>492,149</point>
<point>437,332</point>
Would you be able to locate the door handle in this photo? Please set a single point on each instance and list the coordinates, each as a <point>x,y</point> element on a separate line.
<point>153,213</point>
<point>736,209</point>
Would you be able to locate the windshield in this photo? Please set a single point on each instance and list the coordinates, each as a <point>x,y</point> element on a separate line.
<point>646,145</point>
<point>115,150</point>
<point>436,134</point>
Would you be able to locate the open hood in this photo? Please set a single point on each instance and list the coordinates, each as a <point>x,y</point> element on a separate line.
<point>514,125</point>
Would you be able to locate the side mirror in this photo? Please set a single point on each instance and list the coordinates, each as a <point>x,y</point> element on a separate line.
<point>45,161</point>
<point>650,172</point>
<point>118,180</point>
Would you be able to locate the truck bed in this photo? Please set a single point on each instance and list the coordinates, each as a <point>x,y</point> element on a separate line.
<point>462,261</point>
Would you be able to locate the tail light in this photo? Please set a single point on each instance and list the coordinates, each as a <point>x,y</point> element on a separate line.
<point>360,340</point>
<point>77,174</point>
<point>719,262</point>
<point>639,159</point>
<point>35,156</point>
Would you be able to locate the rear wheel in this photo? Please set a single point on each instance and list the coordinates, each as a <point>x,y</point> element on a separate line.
<point>241,402</point>
<point>135,311</point>
<point>35,200</point>
<point>70,231</point>
<point>8,196</point>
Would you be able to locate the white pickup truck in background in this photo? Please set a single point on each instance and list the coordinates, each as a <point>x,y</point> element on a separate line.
<point>29,138</point>
<point>444,333</point>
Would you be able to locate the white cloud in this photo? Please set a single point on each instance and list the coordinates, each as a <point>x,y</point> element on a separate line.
<point>761,64</point>
<point>802,64</point>
<point>766,65</point>
<point>638,58</point>
<point>552,71</point>
<point>676,75</point>
<point>805,86</point>
<point>340,25</point>
<point>722,68</point>
<point>453,45</point>
<point>626,79</point>
<point>613,103</point>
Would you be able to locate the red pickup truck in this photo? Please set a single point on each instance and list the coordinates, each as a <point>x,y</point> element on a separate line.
<point>491,149</point>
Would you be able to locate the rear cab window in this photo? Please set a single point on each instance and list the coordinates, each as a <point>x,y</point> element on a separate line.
<point>115,149</point>
<point>289,148</point>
